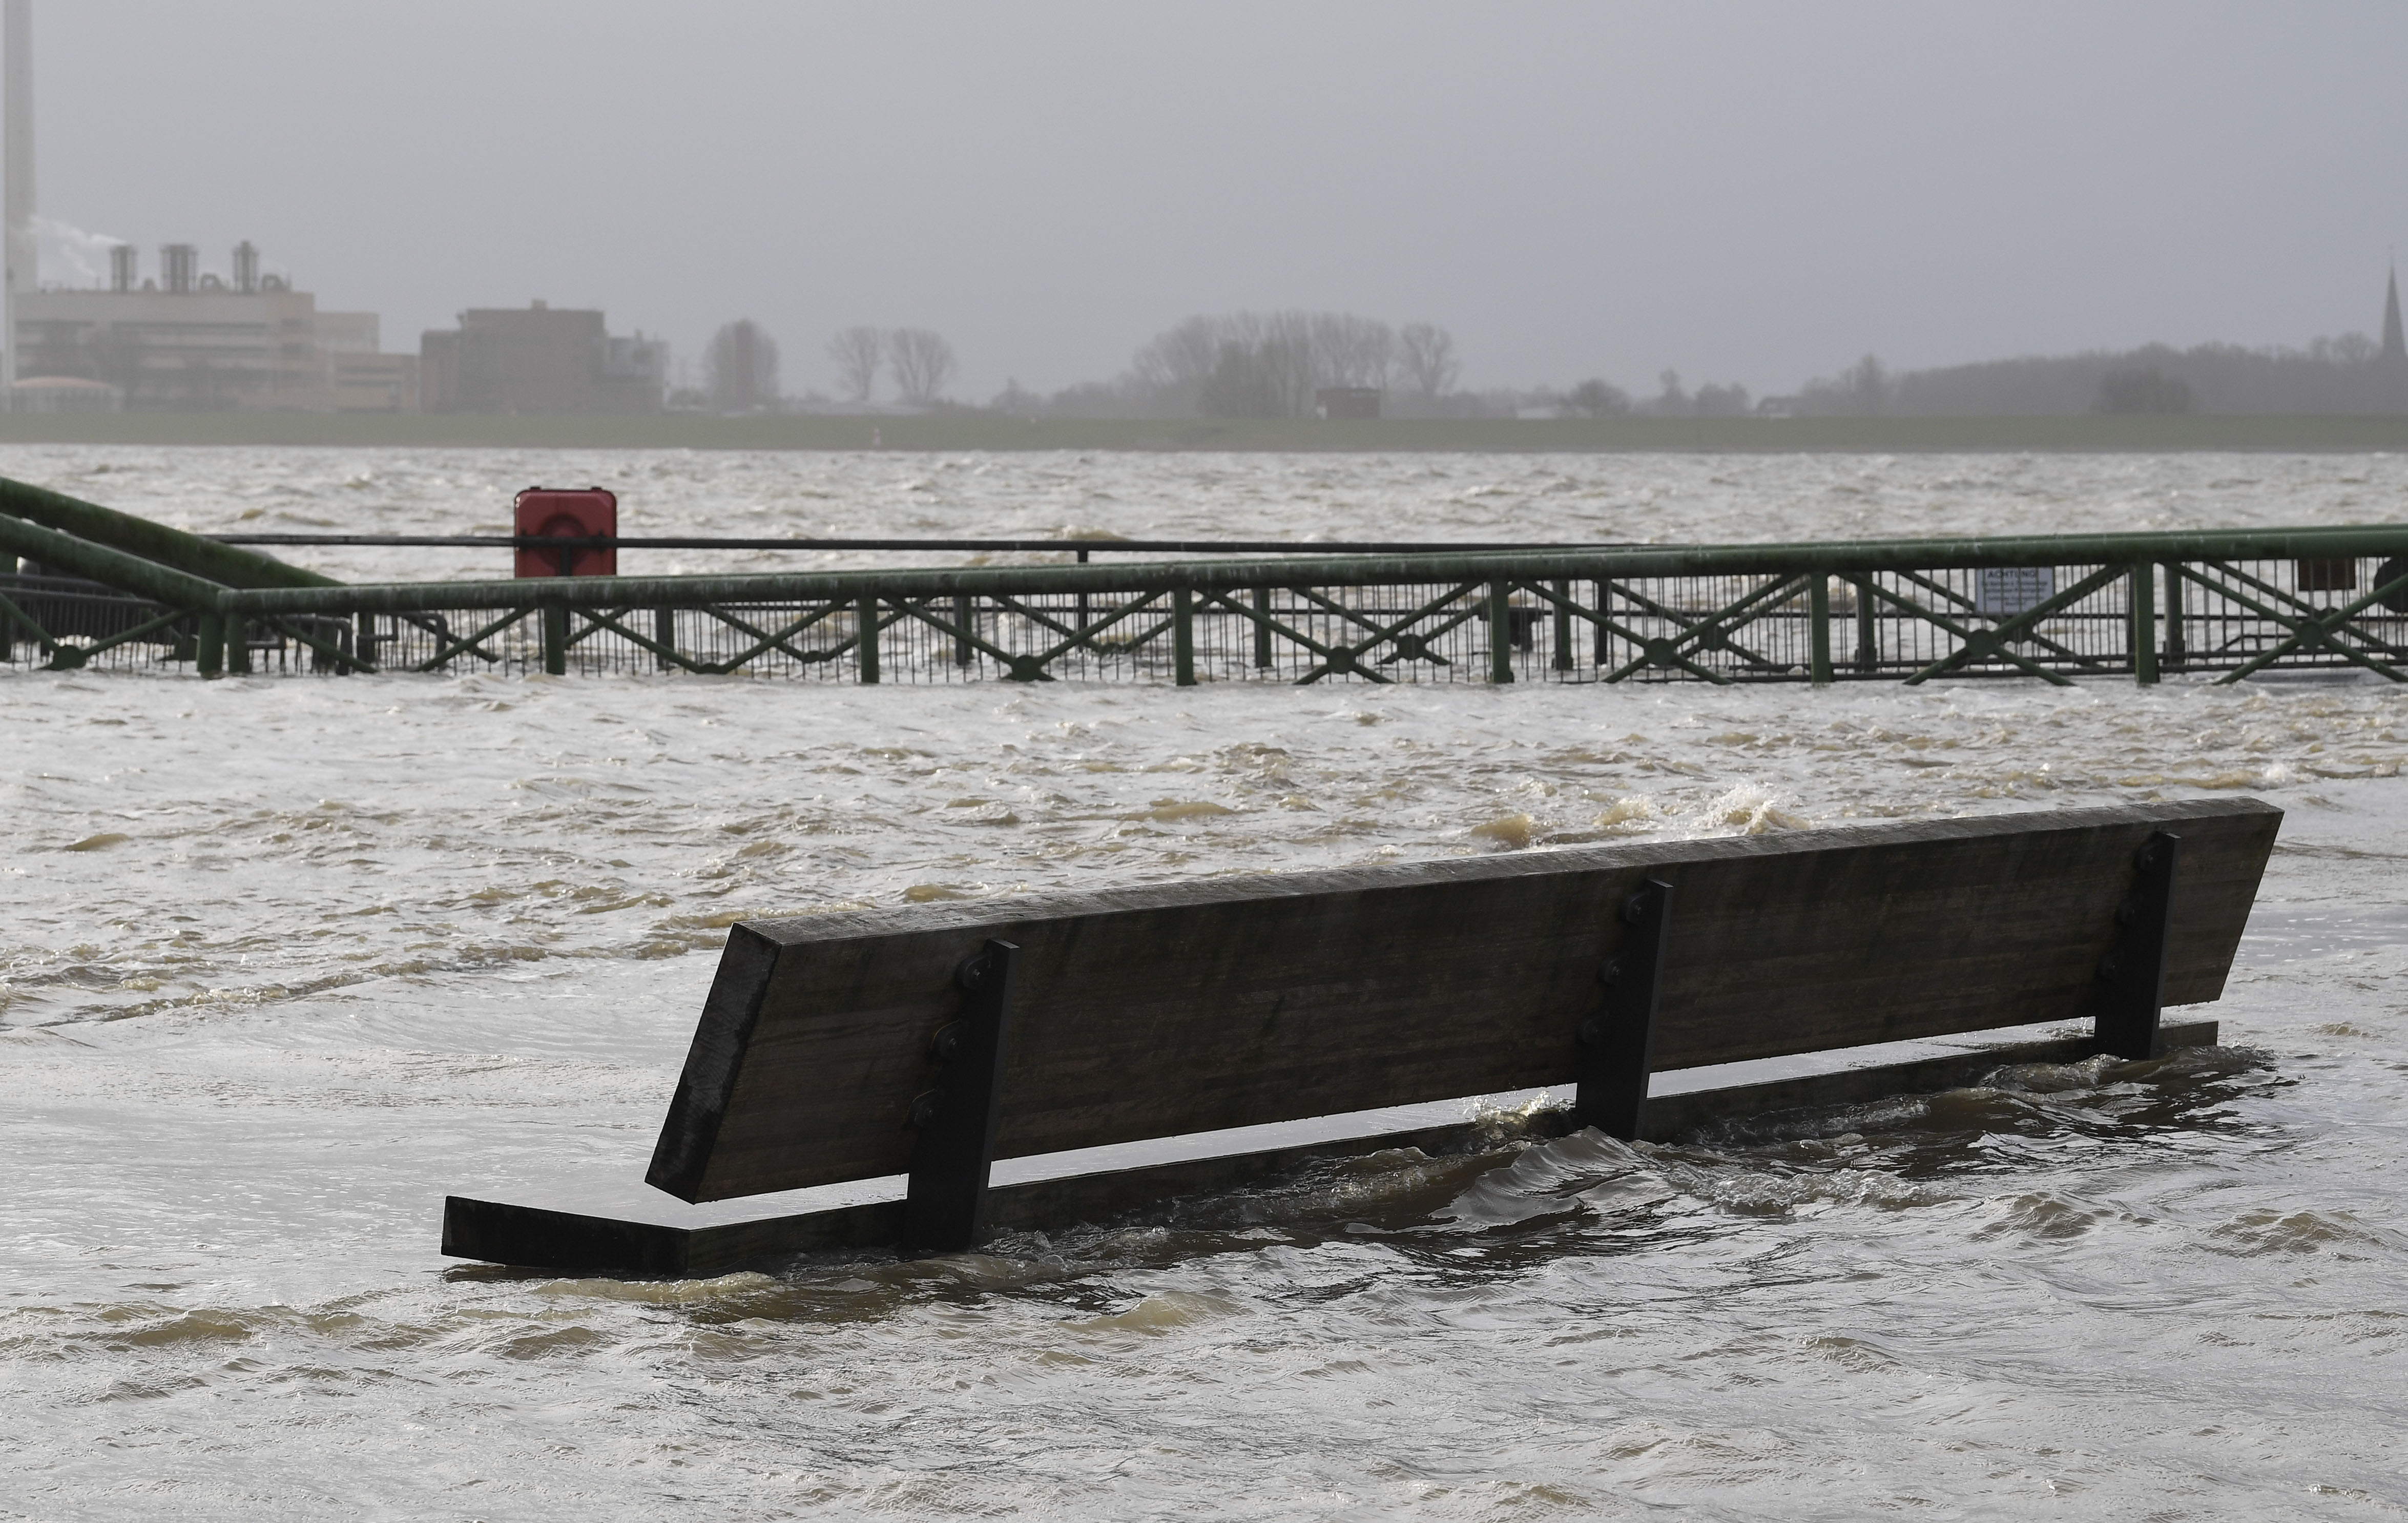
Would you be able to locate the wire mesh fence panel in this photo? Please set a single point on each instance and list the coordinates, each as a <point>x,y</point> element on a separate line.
<point>1401,632</point>
<point>2232,615</point>
<point>1652,618</point>
<point>449,640</point>
<point>1118,637</point>
<point>2068,620</point>
<point>68,622</point>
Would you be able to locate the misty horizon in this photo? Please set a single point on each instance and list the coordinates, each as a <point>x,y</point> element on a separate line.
<point>1746,195</point>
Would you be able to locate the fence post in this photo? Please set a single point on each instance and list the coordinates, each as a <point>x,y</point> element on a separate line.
<point>865,642</point>
<point>2177,651</point>
<point>1563,626</point>
<point>1182,637</point>
<point>962,616</point>
<point>2144,580</point>
<point>208,652</point>
<point>555,640</point>
<point>1501,631</point>
<point>1263,628</point>
<point>1868,634</point>
<point>238,645</point>
<point>663,633</point>
<point>1818,629</point>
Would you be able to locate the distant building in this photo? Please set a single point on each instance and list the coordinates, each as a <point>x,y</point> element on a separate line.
<point>207,343</point>
<point>1347,402</point>
<point>365,377</point>
<point>539,360</point>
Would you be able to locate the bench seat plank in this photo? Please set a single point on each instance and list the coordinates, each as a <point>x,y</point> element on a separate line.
<point>1239,1000</point>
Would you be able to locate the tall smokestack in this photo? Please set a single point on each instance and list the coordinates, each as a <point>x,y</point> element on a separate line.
<point>16,171</point>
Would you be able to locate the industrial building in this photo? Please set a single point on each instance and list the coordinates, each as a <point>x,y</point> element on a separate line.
<point>539,360</point>
<point>190,340</point>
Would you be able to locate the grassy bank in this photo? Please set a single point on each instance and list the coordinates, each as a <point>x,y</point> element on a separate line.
<point>971,431</point>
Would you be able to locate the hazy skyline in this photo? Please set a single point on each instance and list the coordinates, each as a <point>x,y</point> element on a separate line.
<point>1746,192</point>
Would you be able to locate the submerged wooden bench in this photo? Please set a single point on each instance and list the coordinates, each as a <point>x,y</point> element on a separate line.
<point>931,1042</point>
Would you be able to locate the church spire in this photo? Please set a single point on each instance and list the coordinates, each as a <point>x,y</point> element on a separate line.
<point>2394,347</point>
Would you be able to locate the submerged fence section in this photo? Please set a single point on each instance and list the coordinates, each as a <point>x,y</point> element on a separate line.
<point>2055,608</point>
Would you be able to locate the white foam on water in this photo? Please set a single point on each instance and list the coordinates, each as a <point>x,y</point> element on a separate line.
<point>288,958</point>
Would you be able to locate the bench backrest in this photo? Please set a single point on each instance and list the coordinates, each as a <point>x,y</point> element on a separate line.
<point>1230,1001</point>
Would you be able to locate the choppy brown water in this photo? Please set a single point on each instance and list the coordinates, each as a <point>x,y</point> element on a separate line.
<point>289,958</point>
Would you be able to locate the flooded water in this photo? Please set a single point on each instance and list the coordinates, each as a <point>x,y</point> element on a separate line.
<point>1646,499</point>
<point>290,958</point>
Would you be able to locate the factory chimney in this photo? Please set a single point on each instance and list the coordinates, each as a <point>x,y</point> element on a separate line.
<point>124,266</point>
<point>246,268</point>
<point>178,262</point>
<point>16,179</point>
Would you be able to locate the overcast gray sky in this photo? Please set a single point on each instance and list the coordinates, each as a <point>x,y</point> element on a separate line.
<point>1752,192</point>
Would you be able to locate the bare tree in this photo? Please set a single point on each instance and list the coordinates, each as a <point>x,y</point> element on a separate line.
<point>1181,358</point>
<point>922,363</point>
<point>1870,385</point>
<point>1426,355</point>
<point>743,364</point>
<point>858,354</point>
<point>1350,350</point>
<point>1266,365</point>
<point>1673,402</point>
<point>1291,361</point>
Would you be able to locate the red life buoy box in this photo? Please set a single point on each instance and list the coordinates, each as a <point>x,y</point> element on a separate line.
<point>563,513</point>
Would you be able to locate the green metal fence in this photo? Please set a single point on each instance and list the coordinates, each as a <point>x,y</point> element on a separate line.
<point>2055,608</point>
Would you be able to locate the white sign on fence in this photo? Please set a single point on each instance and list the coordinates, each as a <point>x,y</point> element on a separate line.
<point>2001,591</point>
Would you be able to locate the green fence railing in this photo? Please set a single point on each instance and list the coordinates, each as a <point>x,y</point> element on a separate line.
<point>2052,607</point>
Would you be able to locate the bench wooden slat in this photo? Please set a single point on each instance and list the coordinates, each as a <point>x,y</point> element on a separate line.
<point>1235,1001</point>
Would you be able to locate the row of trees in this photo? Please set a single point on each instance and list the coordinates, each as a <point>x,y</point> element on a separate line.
<point>740,365</point>
<point>1269,365</point>
<point>1266,365</point>
<point>920,361</point>
<point>2349,375</point>
<point>1598,398</point>
<point>1235,365</point>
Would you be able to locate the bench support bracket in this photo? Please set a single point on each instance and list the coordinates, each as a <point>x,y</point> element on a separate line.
<point>2133,976</point>
<point>945,1211</point>
<point>1618,1044</point>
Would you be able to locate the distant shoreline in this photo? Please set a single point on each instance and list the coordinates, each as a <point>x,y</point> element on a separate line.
<point>977,432</point>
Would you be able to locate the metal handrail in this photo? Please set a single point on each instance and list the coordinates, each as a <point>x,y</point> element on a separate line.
<point>811,543</point>
<point>1829,557</point>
